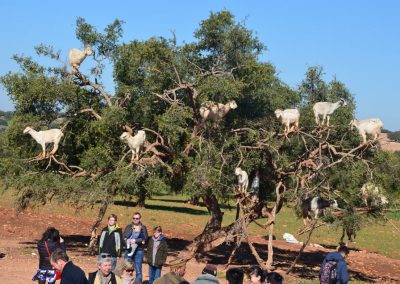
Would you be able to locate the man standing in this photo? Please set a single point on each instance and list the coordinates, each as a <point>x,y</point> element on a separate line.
<point>70,273</point>
<point>177,271</point>
<point>104,273</point>
<point>334,267</point>
<point>110,244</point>
<point>138,255</point>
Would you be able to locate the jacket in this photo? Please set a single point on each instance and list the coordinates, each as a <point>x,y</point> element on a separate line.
<point>143,234</point>
<point>161,254</point>
<point>44,258</point>
<point>342,274</point>
<point>111,241</point>
<point>169,278</point>
<point>73,274</point>
<point>206,279</point>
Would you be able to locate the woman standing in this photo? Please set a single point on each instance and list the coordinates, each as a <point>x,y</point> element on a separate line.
<point>157,251</point>
<point>110,244</point>
<point>50,241</point>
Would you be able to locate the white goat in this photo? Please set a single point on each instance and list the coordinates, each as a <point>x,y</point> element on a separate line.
<point>288,117</point>
<point>215,111</point>
<point>75,58</point>
<point>135,143</point>
<point>326,109</point>
<point>243,179</point>
<point>372,195</point>
<point>46,137</point>
<point>371,126</point>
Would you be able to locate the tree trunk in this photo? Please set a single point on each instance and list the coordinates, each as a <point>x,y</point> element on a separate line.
<point>215,220</point>
<point>141,199</point>
<point>93,235</point>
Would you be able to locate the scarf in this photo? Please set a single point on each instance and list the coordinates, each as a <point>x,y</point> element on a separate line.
<point>104,279</point>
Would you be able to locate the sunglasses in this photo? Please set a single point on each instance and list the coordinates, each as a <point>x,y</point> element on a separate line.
<point>134,218</point>
<point>129,270</point>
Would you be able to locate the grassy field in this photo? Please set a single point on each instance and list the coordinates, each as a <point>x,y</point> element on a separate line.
<point>176,216</point>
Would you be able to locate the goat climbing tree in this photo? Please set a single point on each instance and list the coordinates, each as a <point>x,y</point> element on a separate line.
<point>160,86</point>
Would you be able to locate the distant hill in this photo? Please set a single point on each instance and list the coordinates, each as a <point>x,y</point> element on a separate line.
<point>389,144</point>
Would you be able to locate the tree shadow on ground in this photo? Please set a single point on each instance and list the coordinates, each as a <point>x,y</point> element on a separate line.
<point>125,203</point>
<point>307,267</point>
<point>77,243</point>
<point>169,200</point>
<point>176,209</point>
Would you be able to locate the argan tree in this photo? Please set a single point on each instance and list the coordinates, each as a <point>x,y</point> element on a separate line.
<point>160,86</point>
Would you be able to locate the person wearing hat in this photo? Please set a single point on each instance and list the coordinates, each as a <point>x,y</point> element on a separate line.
<point>208,275</point>
<point>177,271</point>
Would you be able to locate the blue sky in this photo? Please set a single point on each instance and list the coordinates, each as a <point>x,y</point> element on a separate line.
<point>356,41</point>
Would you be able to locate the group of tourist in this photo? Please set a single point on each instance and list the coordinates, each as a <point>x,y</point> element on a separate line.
<point>54,263</point>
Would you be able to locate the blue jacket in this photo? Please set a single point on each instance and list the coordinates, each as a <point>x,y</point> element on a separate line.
<point>342,273</point>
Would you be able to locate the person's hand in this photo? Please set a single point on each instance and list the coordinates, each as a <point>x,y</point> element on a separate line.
<point>133,241</point>
<point>61,240</point>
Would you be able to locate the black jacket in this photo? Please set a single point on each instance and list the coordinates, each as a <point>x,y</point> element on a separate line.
<point>92,277</point>
<point>111,242</point>
<point>128,233</point>
<point>161,254</point>
<point>44,258</point>
<point>73,274</point>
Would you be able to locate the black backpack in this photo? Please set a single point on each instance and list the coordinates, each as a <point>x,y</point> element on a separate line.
<point>328,273</point>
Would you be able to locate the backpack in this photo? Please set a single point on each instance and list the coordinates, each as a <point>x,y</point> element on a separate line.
<point>328,273</point>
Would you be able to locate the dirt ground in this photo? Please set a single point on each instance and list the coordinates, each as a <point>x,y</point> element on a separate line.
<point>19,259</point>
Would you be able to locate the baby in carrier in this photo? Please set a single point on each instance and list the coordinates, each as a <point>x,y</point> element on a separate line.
<point>136,230</point>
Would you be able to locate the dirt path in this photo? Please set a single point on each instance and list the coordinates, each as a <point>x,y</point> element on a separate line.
<point>19,234</point>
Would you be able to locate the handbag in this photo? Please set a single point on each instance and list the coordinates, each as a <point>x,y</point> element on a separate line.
<point>58,273</point>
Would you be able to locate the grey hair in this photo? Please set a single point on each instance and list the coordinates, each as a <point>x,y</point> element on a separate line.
<point>101,260</point>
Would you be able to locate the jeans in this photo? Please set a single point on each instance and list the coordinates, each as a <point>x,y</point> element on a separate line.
<point>137,259</point>
<point>154,273</point>
<point>113,263</point>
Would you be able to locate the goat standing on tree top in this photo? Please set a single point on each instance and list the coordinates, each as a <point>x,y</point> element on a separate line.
<point>243,179</point>
<point>46,137</point>
<point>76,57</point>
<point>372,126</point>
<point>288,117</point>
<point>135,143</point>
<point>215,111</point>
<point>326,109</point>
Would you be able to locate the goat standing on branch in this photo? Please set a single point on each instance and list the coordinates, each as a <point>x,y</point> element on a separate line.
<point>372,126</point>
<point>45,137</point>
<point>288,117</point>
<point>215,111</point>
<point>372,195</point>
<point>243,179</point>
<point>76,57</point>
<point>326,109</point>
<point>135,143</point>
<point>314,206</point>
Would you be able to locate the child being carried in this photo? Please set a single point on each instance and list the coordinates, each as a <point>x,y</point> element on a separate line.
<point>136,230</point>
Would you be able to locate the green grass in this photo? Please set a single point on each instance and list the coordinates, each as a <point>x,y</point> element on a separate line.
<point>175,216</point>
